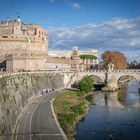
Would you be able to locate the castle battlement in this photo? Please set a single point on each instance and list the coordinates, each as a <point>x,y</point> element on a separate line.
<point>16,35</point>
<point>19,28</point>
<point>23,38</point>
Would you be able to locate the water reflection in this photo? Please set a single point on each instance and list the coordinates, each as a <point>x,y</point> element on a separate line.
<point>106,99</point>
<point>127,96</point>
<point>122,94</point>
<point>112,115</point>
<point>113,100</point>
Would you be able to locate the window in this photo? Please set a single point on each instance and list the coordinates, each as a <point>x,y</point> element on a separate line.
<point>91,61</point>
<point>4,36</point>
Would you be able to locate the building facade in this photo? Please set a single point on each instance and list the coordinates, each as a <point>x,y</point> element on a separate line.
<point>74,57</point>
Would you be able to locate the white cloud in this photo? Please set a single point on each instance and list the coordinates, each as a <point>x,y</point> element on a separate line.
<point>117,34</point>
<point>76,5</point>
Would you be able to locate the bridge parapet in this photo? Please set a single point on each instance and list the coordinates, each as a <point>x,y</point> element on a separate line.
<point>10,73</point>
<point>118,71</point>
<point>91,71</point>
<point>127,70</point>
<point>70,70</point>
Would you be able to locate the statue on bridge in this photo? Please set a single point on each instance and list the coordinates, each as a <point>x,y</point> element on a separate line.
<point>110,66</point>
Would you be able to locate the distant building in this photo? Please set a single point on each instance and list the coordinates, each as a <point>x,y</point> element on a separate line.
<point>60,54</point>
<point>74,57</point>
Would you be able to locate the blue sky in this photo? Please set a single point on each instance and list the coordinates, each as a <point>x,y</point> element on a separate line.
<point>90,24</point>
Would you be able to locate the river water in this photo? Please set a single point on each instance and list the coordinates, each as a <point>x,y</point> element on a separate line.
<point>115,116</point>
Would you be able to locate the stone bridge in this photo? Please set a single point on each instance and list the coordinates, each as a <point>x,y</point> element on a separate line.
<point>70,76</point>
<point>109,77</point>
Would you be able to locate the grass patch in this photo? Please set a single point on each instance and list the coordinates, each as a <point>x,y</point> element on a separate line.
<point>78,109</point>
<point>70,107</point>
<point>66,119</point>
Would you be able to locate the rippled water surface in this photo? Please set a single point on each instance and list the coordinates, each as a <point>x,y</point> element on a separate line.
<point>115,116</point>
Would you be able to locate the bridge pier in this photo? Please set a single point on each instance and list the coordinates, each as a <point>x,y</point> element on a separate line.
<point>111,83</point>
<point>110,86</point>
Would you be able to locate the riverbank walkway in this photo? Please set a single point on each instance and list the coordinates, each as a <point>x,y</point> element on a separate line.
<point>38,121</point>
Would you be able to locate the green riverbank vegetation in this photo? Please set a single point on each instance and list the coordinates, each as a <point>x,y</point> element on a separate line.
<point>71,106</point>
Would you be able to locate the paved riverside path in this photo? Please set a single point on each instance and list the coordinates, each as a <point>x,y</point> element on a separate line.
<point>37,121</point>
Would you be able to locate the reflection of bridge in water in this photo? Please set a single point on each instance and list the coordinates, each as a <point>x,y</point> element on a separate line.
<point>110,100</point>
<point>126,97</point>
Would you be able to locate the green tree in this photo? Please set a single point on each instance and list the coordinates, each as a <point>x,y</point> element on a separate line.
<point>87,56</point>
<point>86,84</point>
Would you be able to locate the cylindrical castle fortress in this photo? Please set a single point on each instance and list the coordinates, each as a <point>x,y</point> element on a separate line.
<point>22,43</point>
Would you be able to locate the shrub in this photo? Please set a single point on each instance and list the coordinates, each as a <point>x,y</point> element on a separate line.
<point>86,84</point>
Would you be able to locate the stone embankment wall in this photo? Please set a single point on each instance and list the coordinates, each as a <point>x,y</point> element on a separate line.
<point>17,90</point>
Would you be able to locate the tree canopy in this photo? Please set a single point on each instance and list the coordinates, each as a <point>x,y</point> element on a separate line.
<point>86,84</point>
<point>87,56</point>
<point>115,57</point>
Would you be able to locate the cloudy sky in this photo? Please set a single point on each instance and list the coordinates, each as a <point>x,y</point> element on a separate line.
<point>89,24</point>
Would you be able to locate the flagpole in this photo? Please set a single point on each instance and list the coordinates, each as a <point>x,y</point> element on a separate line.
<point>27,41</point>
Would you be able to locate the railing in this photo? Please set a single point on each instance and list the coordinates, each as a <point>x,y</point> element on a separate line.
<point>113,71</point>
<point>95,71</point>
<point>8,73</point>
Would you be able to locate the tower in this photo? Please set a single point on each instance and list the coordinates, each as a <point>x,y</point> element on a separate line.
<point>18,17</point>
<point>17,25</point>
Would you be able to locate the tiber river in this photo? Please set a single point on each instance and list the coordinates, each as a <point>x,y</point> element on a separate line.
<point>115,116</point>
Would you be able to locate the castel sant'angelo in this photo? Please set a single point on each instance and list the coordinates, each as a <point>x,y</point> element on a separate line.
<point>24,47</point>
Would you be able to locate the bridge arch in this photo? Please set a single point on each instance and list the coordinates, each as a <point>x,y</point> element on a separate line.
<point>97,78</point>
<point>131,75</point>
<point>79,76</point>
